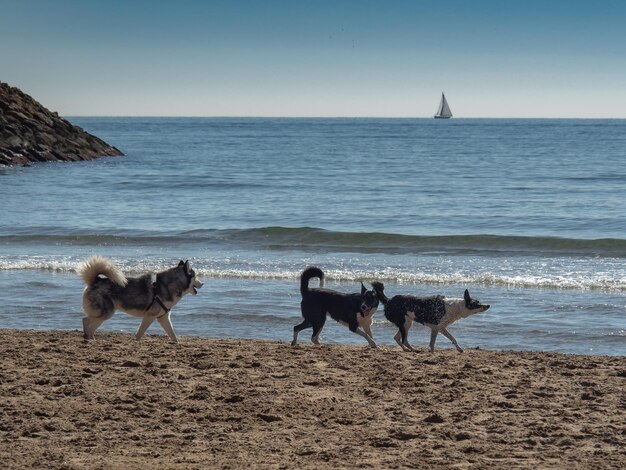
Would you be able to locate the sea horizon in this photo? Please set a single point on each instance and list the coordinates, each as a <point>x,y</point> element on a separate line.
<point>202,116</point>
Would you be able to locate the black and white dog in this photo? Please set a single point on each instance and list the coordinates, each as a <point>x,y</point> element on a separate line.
<point>436,312</point>
<point>150,296</point>
<point>354,310</point>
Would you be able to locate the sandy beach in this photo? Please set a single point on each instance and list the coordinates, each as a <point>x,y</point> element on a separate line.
<point>215,403</point>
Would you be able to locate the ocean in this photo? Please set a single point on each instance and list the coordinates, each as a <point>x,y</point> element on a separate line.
<point>527,214</point>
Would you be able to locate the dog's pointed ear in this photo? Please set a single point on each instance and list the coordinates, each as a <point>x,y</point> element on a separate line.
<point>187,266</point>
<point>467,297</point>
<point>379,289</point>
<point>363,289</point>
<point>181,263</point>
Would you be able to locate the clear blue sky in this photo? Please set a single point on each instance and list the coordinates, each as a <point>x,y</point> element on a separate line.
<point>318,58</point>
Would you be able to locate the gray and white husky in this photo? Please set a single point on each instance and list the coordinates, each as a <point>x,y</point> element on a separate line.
<point>150,296</point>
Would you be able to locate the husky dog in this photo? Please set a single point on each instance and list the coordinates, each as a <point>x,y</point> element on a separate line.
<point>436,312</point>
<point>149,296</point>
<point>354,310</point>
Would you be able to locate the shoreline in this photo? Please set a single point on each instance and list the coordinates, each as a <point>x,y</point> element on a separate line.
<point>233,403</point>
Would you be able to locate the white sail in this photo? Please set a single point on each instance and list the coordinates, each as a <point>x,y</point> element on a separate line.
<point>444,110</point>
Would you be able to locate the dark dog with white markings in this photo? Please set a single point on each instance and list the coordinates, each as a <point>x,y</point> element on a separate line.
<point>354,310</point>
<point>436,312</point>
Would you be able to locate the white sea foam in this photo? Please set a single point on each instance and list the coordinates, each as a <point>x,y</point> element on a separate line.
<point>615,282</point>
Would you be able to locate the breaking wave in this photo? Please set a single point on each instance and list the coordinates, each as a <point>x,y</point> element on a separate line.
<point>315,239</point>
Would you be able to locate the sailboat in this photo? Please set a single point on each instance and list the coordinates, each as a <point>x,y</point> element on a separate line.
<point>444,110</point>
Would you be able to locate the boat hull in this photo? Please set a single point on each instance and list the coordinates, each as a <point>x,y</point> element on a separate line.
<point>442,117</point>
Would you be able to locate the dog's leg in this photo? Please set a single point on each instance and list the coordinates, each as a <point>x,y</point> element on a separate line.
<point>369,339</point>
<point>298,328</point>
<point>433,338</point>
<point>362,328</point>
<point>398,338</point>
<point>447,334</point>
<point>405,333</point>
<point>317,329</point>
<point>90,325</point>
<point>166,324</point>
<point>145,323</point>
<point>367,327</point>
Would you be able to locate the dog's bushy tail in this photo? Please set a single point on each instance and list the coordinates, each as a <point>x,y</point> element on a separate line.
<point>308,274</point>
<point>379,288</point>
<point>99,265</point>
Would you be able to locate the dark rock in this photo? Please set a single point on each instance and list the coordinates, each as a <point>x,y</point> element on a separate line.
<point>31,133</point>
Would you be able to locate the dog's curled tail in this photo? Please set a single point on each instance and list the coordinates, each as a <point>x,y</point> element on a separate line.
<point>99,265</point>
<point>379,288</point>
<point>308,274</point>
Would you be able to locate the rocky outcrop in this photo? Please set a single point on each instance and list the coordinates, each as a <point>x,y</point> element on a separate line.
<point>31,133</point>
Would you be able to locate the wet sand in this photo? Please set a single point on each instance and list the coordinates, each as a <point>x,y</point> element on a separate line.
<point>214,403</point>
